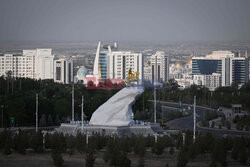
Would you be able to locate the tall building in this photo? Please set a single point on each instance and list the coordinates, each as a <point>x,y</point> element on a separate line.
<point>159,67</point>
<point>63,71</point>
<point>44,64</point>
<point>35,64</point>
<point>231,68</point>
<point>119,63</point>
<point>113,64</point>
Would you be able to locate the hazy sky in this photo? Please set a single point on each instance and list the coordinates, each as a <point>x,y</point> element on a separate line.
<point>124,20</point>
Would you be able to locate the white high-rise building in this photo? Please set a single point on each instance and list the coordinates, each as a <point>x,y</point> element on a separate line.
<point>113,64</point>
<point>63,71</point>
<point>119,63</point>
<point>35,64</point>
<point>44,64</point>
<point>160,67</point>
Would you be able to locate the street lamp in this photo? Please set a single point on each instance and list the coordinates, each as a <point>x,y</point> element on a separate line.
<point>2,106</point>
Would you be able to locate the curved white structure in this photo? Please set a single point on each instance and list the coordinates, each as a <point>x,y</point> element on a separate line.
<point>117,111</point>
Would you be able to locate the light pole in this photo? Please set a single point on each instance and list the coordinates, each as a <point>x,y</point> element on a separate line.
<point>2,106</point>
<point>194,115</point>
<point>73,112</point>
<point>36,112</point>
<point>82,113</point>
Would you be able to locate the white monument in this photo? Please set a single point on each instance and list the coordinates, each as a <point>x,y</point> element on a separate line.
<point>117,111</point>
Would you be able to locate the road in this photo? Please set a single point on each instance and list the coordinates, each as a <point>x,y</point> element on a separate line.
<point>186,123</point>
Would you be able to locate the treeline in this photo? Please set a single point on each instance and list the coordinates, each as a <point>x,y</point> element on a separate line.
<point>115,150</point>
<point>18,100</point>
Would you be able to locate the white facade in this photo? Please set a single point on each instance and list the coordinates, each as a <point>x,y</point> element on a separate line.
<point>160,66</point>
<point>119,63</point>
<point>63,71</point>
<point>44,64</point>
<point>34,64</point>
<point>199,80</point>
<point>212,81</point>
<point>113,64</point>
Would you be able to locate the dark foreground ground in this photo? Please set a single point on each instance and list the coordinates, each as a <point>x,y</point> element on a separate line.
<point>31,159</point>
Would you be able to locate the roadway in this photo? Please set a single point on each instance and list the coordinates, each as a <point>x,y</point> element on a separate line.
<point>186,123</point>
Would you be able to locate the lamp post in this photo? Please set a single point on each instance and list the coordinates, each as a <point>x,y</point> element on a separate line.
<point>36,112</point>
<point>194,116</point>
<point>2,106</point>
<point>82,113</point>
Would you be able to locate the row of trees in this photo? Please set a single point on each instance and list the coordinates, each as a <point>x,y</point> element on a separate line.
<point>55,99</point>
<point>116,149</point>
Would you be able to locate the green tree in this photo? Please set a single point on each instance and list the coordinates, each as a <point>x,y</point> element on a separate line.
<point>140,147</point>
<point>243,156</point>
<point>80,143</point>
<point>228,125</point>
<point>50,121</point>
<point>71,144</point>
<point>182,158</point>
<point>158,148</point>
<point>36,142</point>
<point>141,162</point>
<point>122,160</point>
<point>90,159</point>
<point>171,151</point>
<point>42,121</point>
<point>57,159</point>
<point>20,142</point>
<point>7,142</point>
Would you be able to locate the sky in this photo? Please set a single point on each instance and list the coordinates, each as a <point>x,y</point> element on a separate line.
<point>124,20</point>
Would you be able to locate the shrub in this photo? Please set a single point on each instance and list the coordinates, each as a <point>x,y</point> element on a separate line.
<point>57,158</point>
<point>90,159</point>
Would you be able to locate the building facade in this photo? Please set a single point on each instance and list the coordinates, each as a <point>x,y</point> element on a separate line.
<point>231,68</point>
<point>34,64</point>
<point>159,67</point>
<point>113,64</point>
<point>63,71</point>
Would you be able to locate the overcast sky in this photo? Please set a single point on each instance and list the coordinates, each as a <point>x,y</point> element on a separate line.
<point>125,20</point>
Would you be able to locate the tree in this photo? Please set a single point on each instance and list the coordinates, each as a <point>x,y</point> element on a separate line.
<point>8,142</point>
<point>158,148</point>
<point>243,156</point>
<point>171,151</point>
<point>36,142</point>
<point>228,125</point>
<point>80,143</point>
<point>58,143</point>
<point>42,121</point>
<point>48,141</point>
<point>182,158</point>
<point>235,152</point>
<point>57,158</point>
<point>141,162</point>
<point>122,160</point>
<point>57,120</point>
<point>20,142</point>
<point>140,147</point>
<point>71,143</point>
<point>90,159</point>
<point>50,121</point>
<point>213,124</point>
